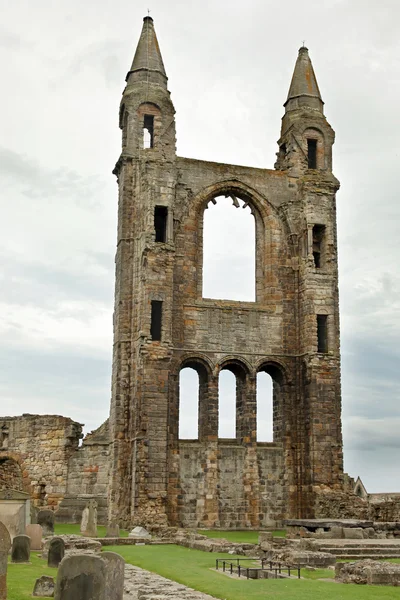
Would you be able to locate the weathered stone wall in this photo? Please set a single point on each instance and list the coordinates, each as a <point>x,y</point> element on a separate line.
<point>151,478</point>
<point>10,475</point>
<point>41,445</point>
<point>88,473</point>
<point>234,509</point>
<point>386,510</point>
<point>40,454</point>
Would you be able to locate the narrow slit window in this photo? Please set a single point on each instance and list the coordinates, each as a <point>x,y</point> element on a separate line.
<point>312,154</point>
<point>156,320</point>
<point>148,131</point>
<point>160,223</point>
<point>318,236</point>
<point>322,333</point>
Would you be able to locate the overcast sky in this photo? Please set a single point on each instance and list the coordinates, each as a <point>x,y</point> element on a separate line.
<point>229,63</point>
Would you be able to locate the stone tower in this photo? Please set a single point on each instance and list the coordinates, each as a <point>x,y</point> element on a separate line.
<point>162,323</point>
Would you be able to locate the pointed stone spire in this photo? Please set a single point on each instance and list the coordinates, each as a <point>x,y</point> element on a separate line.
<point>147,63</point>
<point>304,90</point>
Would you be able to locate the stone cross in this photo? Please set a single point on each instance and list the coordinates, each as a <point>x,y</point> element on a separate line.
<point>5,545</point>
<point>81,577</point>
<point>89,519</point>
<point>21,549</point>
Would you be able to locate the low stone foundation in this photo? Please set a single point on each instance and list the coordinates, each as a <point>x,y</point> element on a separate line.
<point>351,529</point>
<point>74,544</point>
<point>370,572</point>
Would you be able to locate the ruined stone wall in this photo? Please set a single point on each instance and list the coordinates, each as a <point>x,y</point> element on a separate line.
<point>10,475</point>
<point>40,455</point>
<point>154,478</point>
<point>88,473</point>
<point>41,445</point>
<point>385,509</point>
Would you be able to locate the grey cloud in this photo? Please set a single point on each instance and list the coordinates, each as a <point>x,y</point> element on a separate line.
<point>37,181</point>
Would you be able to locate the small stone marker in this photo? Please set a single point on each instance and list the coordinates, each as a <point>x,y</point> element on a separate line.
<point>112,530</point>
<point>21,549</point>
<point>56,552</point>
<point>115,573</point>
<point>35,532</point>
<point>44,587</point>
<point>139,532</point>
<point>89,519</point>
<point>5,545</point>
<point>45,518</point>
<point>81,577</point>
<point>34,514</point>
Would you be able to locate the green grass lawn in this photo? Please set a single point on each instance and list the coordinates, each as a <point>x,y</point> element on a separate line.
<point>75,529</point>
<point>193,568</point>
<point>21,578</point>
<point>244,537</point>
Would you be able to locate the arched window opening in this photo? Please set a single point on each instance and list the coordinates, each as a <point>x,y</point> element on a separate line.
<point>270,398</point>
<point>189,392</point>
<point>229,258</point>
<point>148,131</point>
<point>227,404</point>
<point>265,420</point>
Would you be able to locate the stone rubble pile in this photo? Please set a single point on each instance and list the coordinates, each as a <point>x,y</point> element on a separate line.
<point>74,544</point>
<point>370,572</point>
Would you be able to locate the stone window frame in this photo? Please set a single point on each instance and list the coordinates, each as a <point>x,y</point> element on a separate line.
<point>268,254</point>
<point>313,133</point>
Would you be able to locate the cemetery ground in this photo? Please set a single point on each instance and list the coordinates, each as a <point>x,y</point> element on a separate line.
<point>196,569</point>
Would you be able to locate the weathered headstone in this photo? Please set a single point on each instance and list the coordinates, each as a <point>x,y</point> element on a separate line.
<point>34,514</point>
<point>139,532</point>
<point>21,549</point>
<point>115,573</point>
<point>44,587</point>
<point>81,577</point>
<point>5,545</point>
<point>35,532</point>
<point>56,552</point>
<point>45,518</point>
<point>89,519</point>
<point>112,529</point>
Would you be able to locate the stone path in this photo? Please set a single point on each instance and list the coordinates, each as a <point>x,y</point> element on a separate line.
<point>143,585</point>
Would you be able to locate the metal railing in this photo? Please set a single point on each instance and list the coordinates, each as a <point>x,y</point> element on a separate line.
<point>277,568</point>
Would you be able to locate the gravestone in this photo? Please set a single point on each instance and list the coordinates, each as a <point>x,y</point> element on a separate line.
<point>112,530</point>
<point>5,545</point>
<point>115,573</point>
<point>45,518</point>
<point>21,549</point>
<point>89,519</point>
<point>35,532</point>
<point>34,514</point>
<point>15,511</point>
<point>139,532</point>
<point>56,552</point>
<point>81,577</point>
<point>44,587</point>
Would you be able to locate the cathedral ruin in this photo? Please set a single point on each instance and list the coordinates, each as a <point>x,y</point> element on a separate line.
<point>135,465</point>
<point>162,322</point>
